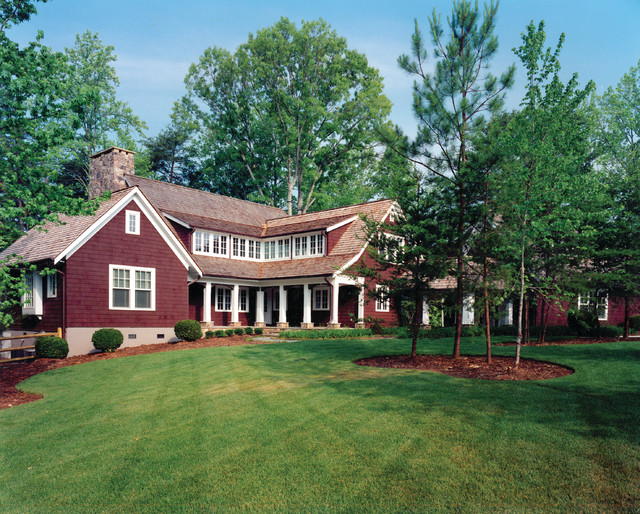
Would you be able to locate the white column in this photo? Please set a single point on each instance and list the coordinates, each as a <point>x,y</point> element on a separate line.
<point>235,293</point>
<point>335,287</point>
<point>425,312</point>
<point>467,309</point>
<point>206,303</point>
<point>306,312</point>
<point>361,305</point>
<point>282,314</point>
<point>260,306</point>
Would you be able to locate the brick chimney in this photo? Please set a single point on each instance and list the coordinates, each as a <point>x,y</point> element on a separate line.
<point>107,170</point>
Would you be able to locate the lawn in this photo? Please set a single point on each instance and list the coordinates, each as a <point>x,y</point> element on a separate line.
<point>298,426</point>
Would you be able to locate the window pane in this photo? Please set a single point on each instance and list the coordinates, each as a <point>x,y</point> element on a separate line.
<point>287,248</point>
<point>223,245</point>
<point>243,246</point>
<point>205,243</point>
<point>143,299</point>
<point>198,247</point>
<point>303,251</point>
<point>320,244</point>
<point>121,298</point>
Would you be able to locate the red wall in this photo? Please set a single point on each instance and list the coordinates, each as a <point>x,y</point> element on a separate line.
<point>88,277</point>
<point>615,315</point>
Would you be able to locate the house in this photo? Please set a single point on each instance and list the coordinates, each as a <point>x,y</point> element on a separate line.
<point>155,253</point>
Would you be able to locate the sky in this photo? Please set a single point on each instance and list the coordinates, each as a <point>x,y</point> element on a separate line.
<point>156,41</point>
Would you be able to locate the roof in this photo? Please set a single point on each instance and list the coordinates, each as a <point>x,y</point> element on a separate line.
<point>49,240</point>
<point>176,199</point>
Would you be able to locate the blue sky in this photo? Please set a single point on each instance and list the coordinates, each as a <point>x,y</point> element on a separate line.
<point>156,41</point>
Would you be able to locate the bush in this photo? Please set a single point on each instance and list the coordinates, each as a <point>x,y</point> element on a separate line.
<point>583,323</point>
<point>376,328</point>
<point>188,330</point>
<point>229,332</point>
<point>107,339</point>
<point>611,331</point>
<point>258,331</point>
<point>51,347</point>
<point>337,333</point>
<point>209,334</point>
<point>248,331</point>
<point>634,323</point>
<point>220,333</point>
<point>238,331</point>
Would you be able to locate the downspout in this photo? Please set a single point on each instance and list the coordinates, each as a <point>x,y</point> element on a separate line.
<point>64,303</point>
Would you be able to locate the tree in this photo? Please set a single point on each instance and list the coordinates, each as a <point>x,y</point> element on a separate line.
<point>547,182</point>
<point>169,155</point>
<point>617,258</point>
<point>295,109</point>
<point>449,103</point>
<point>98,119</point>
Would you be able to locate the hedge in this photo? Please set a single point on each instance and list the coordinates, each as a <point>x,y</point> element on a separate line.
<point>51,347</point>
<point>188,330</point>
<point>107,339</point>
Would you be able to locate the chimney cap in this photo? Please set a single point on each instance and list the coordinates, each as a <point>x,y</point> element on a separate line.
<point>109,150</point>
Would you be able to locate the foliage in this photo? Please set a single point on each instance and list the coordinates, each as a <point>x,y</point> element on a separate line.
<point>188,330</point>
<point>51,347</point>
<point>547,188</point>
<point>93,112</point>
<point>229,332</point>
<point>449,103</point>
<point>248,331</point>
<point>634,322</point>
<point>209,334</point>
<point>336,333</point>
<point>292,111</point>
<point>583,322</point>
<point>258,331</point>
<point>171,158</point>
<point>220,333</point>
<point>238,331</point>
<point>611,331</point>
<point>107,339</point>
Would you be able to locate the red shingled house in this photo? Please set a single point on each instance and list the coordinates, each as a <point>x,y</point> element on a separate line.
<point>155,253</point>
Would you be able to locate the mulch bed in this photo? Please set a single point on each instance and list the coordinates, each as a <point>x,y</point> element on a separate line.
<point>501,368</point>
<point>13,373</point>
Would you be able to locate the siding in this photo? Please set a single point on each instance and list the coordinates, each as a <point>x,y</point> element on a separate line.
<point>88,277</point>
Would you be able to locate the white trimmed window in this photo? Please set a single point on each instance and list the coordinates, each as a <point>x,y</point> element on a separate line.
<point>382,299</point>
<point>32,298</point>
<point>243,300</point>
<point>321,299</point>
<point>209,243</point>
<point>133,222</point>
<point>132,288</point>
<point>599,302</point>
<point>311,245</point>
<point>52,285</point>
<point>223,299</point>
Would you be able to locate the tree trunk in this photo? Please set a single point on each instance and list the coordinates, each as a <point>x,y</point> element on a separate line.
<point>416,328</point>
<point>485,276</point>
<point>520,309</point>
<point>460,273</point>
<point>526,320</point>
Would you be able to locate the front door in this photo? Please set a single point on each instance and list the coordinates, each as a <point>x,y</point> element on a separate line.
<point>268,307</point>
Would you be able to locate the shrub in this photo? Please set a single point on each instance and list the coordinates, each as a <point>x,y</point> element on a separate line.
<point>107,339</point>
<point>51,347</point>
<point>238,331</point>
<point>583,323</point>
<point>209,334</point>
<point>188,330</point>
<point>258,331</point>
<point>634,323</point>
<point>248,331</point>
<point>338,333</point>
<point>220,333</point>
<point>376,329</point>
<point>611,331</point>
<point>229,332</point>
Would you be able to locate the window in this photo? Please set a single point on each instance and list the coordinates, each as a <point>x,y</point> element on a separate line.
<point>132,223</point>
<point>223,299</point>
<point>131,288</point>
<point>296,246</point>
<point>52,285</point>
<point>252,253</point>
<point>382,299</point>
<point>257,249</point>
<point>308,245</point>
<point>209,243</point>
<point>32,298</point>
<point>235,246</point>
<point>243,247</point>
<point>205,243</point>
<point>27,298</point>
<point>321,299</point>
<point>599,302</point>
<point>243,300</point>
<point>197,247</point>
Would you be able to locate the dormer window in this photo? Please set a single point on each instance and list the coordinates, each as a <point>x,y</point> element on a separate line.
<point>132,222</point>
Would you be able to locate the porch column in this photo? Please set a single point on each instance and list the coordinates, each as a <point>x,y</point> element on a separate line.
<point>282,312</point>
<point>235,293</point>
<point>260,309</point>
<point>467,309</point>
<point>206,303</point>
<point>335,288</point>
<point>425,312</point>
<point>306,307</point>
<point>360,320</point>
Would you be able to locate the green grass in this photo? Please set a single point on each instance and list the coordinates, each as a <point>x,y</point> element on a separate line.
<point>297,426</point>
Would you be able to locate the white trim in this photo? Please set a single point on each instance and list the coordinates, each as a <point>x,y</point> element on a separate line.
<point>342,223</point>
<point>175,220</point>
<point>152,215</point>
<point>35,307</point>
<point>587,304</point>
<point>382,304</point>
<point>132,287</point>
<point>224,298</point>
